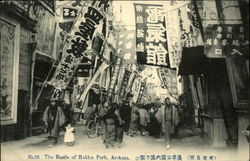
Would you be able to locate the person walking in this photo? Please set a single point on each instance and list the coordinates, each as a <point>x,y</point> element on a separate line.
<point>125,113</point>
<point>134,122</point>
<point>168,118</point>
<point>144,120</point>
<point>154,127</point>
<point>111,120</point>
<point>119,127</point>
<point>54,119</point>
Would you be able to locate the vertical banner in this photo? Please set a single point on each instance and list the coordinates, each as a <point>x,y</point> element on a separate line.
<point>126,46</point>
<point>191,28</point>
<point>142,89</point>
<point>114,76</point>
<point>124,83</point>
<point>136,88</point>
<point>130,82</point>
<point>168,80</point>
<point>77,43</point>
<point>174,38</point>
<point>151,37</point>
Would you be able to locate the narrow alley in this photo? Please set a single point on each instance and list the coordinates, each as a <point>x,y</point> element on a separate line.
<point>119,80</point>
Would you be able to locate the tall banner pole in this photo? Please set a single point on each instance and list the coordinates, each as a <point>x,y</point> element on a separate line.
<point>104,66</point>
<point>54,64</point>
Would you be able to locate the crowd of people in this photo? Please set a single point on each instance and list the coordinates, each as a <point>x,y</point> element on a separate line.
<point>156,119</point>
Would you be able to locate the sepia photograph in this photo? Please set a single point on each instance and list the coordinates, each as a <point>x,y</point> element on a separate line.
<point>124,80</point>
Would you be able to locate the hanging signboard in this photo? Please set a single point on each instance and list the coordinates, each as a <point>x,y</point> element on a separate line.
<point>225,40</point>
<point>124,83</point>
<point>114,76</point>
<point>151,38</point>
<point>77,43</point>
<point>69,12</point>
<point>130,82</point>
<point>174,37</point>
<point>142,89</point>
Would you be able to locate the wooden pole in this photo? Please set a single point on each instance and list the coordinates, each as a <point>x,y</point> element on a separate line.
<point>57,59</point>
<point>33,61</point>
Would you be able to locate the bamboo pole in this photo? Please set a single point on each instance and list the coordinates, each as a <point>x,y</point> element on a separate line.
<point>57,59</point>
<point>33,61</point>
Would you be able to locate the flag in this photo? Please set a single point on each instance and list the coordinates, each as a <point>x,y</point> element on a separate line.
<point>126,46</point>
<point>173,37</point>
<point>115,72</point>
<point>124,83</point>
<point>191,28</point>
<point>80,37</point>
<point>151,38</point>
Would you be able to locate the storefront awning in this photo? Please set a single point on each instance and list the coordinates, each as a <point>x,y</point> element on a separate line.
<point>193,61</point>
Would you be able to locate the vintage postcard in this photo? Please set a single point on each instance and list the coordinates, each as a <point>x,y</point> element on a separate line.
<point>124,80</point>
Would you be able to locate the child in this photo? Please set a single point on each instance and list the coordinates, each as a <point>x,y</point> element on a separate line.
<point>69,137</point>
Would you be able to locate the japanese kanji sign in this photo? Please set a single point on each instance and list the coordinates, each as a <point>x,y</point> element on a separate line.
<point>142,89</point>
<point>168,80</point>
<point>78,42</point>
<point>222,40</point>
<point>114,76</point>
<point>174,38</point>
<point>69,12</point>
<point>124,82</point>
<point>151,39</point>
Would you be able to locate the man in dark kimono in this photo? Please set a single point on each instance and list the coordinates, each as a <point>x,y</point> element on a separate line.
<point>125,113</point>
<point>54,118</point>
<point>113,126</point>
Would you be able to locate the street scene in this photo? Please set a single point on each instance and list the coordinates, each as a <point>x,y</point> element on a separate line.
<point>124,80</point>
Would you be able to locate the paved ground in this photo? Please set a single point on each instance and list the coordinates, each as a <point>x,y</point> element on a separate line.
<point>188,147</point>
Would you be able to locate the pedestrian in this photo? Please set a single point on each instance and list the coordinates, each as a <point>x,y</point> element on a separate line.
<point>125,112</point>
<point>69,137</point>
<point>54,119</point>
<point>110,120</point>
<point>134,122</point>
<point>154,127</point>
<point>144,120</point>
<point>168,117</point>
<point>119,127</point>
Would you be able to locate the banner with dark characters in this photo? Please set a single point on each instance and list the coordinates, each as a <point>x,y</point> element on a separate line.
<point>151,37</point>
<point>78,42</point>
<point>125,83</point>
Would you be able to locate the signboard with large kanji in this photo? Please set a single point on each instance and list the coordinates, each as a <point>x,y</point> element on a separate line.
<point>151,38</point>
<point>78,42</point>
<point>225,40</point>
<point>124,83</point>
